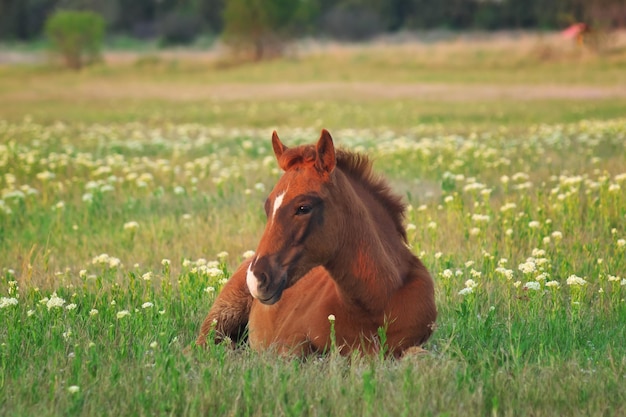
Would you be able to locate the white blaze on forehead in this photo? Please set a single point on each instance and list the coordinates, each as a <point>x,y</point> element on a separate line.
<point>278,201</point>
<point>252,281</point>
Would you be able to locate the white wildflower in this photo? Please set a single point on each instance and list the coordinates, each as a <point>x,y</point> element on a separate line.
<point>132,225</point>
<point>527,267</point>
<point>122,313</point>
<point>575,280</point>
<point>55,301</point>
<point>6,302</point>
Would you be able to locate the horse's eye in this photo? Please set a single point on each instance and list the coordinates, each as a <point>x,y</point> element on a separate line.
<point>303,210</point>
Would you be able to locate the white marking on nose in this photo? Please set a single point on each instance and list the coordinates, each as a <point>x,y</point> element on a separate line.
<point>252,281</point>
<point>277,203</point>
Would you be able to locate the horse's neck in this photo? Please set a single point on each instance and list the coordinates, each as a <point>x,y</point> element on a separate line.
<point>371,263</point>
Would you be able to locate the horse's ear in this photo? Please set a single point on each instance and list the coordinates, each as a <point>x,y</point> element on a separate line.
<point>325,160</point>
<point>278,146</point>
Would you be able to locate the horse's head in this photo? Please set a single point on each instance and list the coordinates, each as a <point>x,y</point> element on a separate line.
<point>299,218</point>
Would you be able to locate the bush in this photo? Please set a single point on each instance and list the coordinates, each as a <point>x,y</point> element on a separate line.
<point>77,36</point>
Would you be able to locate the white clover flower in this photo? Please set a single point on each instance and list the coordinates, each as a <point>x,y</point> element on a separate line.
<point>553,284</point>
<point>6,302</point>
<point>122,313</point>
<point>93,312</point>
<point>466,291</point>
<point>541,277</point>
<point>508,207</point>
<point>165,262</point>
<point>114,262</point>
<point>410,227</point>
<point>527,267</point>
<point>147,304</point>
<point>178,190</point>
<point>45,175</point>
<point>507,273</point>
<point>470,283</point>
<point>556,235</point>
<point>447,273</point>
<point>438,255</point>
<point>481,218</point>
<point>209,290</point>
<point>532,285</point>
<point>475,274</point>
<point>222,255</point>
<point>517,284</point>
<point>154,345</point>
<point>575,280</point>
<point>509,232</point>
<point>55,301</point>
<point>474,231</point>
<point>132,225</point>
<point>147,276</point>
<point>448,199</point>
<point>73,389</point>
<point>613,278</point>
<point>613,188</point>
<point>248,254</point>
<point>537,253</point>
<point>331,317</point>
<point>534,224</point>
<point>70,307</point>
<point>28,313</point>
<point>474,186</point>
<point>621,243</point>
<point>67,334</point>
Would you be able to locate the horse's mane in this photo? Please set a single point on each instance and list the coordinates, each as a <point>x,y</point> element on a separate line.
<point>358,167</point>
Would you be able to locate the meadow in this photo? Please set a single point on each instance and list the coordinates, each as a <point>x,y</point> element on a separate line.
<point>123,212</point>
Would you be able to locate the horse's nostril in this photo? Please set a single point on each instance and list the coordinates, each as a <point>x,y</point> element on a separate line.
<point>263,278</point>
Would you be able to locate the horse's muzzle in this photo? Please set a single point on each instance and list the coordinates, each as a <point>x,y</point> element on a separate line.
<point>265,284</point>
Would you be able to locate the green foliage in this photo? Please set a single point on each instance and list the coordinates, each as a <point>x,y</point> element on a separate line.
<point>76,36</point>
<point>262,26</point>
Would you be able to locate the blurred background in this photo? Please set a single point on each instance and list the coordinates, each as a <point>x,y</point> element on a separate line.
<point>342,63</point>
<point>269,23</point>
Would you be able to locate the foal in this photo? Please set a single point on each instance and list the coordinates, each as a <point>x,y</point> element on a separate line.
<point>334,244</point>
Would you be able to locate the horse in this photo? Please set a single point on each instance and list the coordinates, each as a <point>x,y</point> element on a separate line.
<point>333,266</point>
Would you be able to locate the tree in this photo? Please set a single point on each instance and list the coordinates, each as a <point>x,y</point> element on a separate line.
<point>76,36</point>
<point>263,26</point>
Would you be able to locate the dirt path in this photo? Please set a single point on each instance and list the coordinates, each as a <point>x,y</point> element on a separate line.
<point>96,90</point>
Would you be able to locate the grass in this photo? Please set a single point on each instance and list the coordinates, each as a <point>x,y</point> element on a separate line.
<point>119,226</point>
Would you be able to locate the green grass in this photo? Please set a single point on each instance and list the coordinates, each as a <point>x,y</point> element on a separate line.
<point>502,349</point>
<point>496,186</point>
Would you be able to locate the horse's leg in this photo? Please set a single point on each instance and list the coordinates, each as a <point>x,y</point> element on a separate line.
<point>229,314</point>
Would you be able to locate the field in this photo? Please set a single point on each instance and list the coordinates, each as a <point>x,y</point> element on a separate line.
<point>130,192</point>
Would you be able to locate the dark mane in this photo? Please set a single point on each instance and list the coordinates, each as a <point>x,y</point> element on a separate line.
<point>359,167</point>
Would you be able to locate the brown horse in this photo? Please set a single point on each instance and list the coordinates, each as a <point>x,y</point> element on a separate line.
<point>334,245</point>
